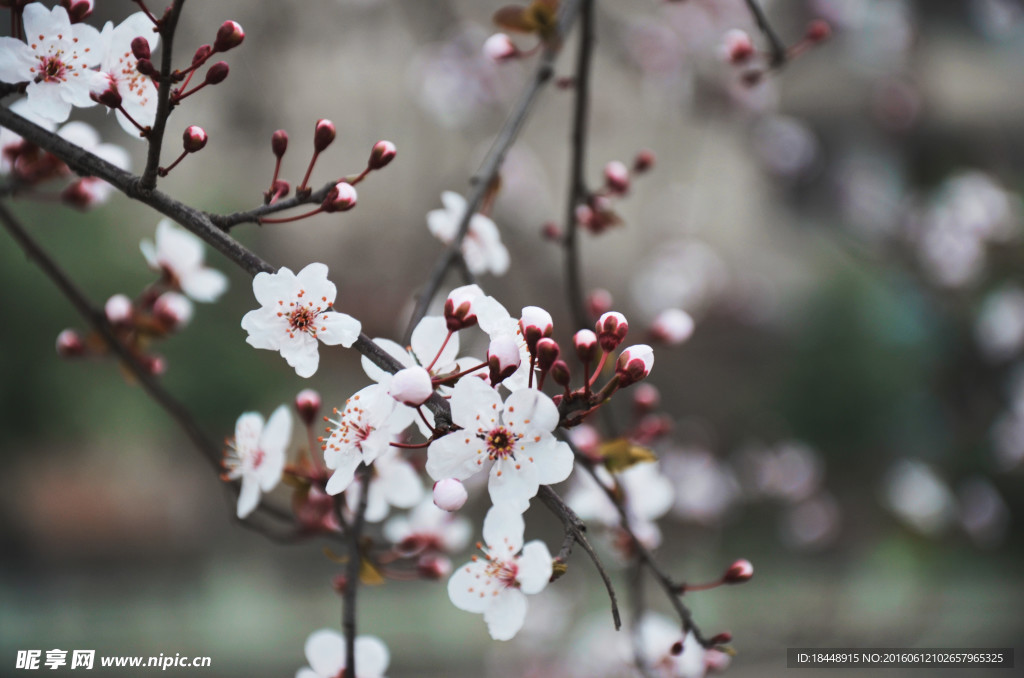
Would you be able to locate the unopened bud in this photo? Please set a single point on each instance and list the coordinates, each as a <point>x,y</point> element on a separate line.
<point>194,138</point>
<point>202,54</point>
<point>280,189</point>
<point>503,358</point>
<point>560,373</point>
<point>738,572</point>
<point>279,142</point>
<point>736,47</point>
<point>616,177</point>
<point>673,326</point>
<point>720,638</point>
<point>341,198</point>
<point>551,231</point>
<point>585,343</point>
<point>535,324</point>
<point>229,36</point>
<point>611,330</point>
<point>411,386</point>
<point>584,215</point>
<point>547,353</point>
<point>458,307</point>
<point>646,397</point>
<point>433,566</point>
<point>499,48</point>
<point>109,97</point>
<point>323,134</point>
<point>173,311</point>
<point>634,364</point>
<point>217,73</point>
<point>78,10</point>
<point>587,440</point>
<point>450,494</point>
<point>340,583</point>
<point>382,153</point>
<point>599,302</point>
<point>119,309</point>
<point>146,67</point>
<point>154,364</point>
<point>307,404</point>
<point>818,31</point>
<point>70,344</point>
<point>140,48</point>
<point>643,161</point>
<point>677,648</point>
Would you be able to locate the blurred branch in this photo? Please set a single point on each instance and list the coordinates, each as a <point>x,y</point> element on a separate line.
<point>577,180</point>
<point>575,531</point>
<point>355,562</point>
<point>484,177</point>
<point>96,319</point>
<point>167,27</point>
<point>775,44</point>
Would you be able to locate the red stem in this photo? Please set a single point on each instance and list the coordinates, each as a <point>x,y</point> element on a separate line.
<point>285,220</point>
<point>440,350</point>
<point>309,170</point>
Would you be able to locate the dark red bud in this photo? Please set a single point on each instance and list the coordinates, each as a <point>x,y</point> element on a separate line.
<point>229,36</point>
<point>323,134</point>
<point>194,138</point>
<point>560,373</point>
<point>818,30</point>
<point>146,67</point>
<point>217,73</point>
<point>643,161</point>
<point>547,353</point>
<point>279,142</point>
<point>140,48</point>
<point>202,54</point>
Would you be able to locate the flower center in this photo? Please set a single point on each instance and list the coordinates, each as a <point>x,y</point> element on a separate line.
<point>504,571</point>
<point>501,443</point>
<point>51,69</point>
<point>257,458</point>
<point>302,319</point>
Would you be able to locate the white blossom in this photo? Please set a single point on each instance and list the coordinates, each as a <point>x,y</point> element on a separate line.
<point>482,247</point>
<point>137,91</point>
<point>179,255</point>
<point>325,652</point>
<point>257,455</point>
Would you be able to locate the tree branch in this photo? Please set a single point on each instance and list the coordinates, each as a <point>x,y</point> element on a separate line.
<point>577,179</point>
<point>168,26</point>
<point>575,528</point>
<point>481,181</point>
<point>775,44</point>
<point>355,561</point>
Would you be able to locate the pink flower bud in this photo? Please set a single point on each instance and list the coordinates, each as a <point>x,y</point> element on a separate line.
<point>458,307</point>
<point>154,364</point>
<point>499,48</point>
<point>736,47</point>
<point>78,10</point>
<point>217,73</point>
<point>341,198</point>
<point>587,440</point>
<point>585,342</point>
<point>382,153</point>
<point>818,31</point>
<point>584,215</point>
<point>535,323</point>
<point>599,302</point>
<point>716,661</point>
<point>720,638</point>
<point>81,193</point>
<point>634,364</point>
<point>673,326</point>
<point>70,344</point>
<point>547,353</point>
<point>146,67</point>
<point>194,138</point>
<point>432,566</point>
<point>646,397</point>
<point>173,311</point>
<point>119,309</point>
<point>611,330</point>
<point>560,373</point>
<point>503,358</point>
<point>280,189</point>
<point>323,134</point>
<point>109,97</point>
<point>307,404</point>
<point>140,48</point>
<point>229,36</point>
<point>643,161</point>
<point>411,386</point>
<point>202,54</point>
<point>616,177</point>
<point>738,572</point>
<point>279,142</point>
<point>449,494</point>
<point>551,231</point>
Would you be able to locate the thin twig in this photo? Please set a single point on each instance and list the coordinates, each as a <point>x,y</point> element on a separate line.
<point>355,560</point>
<point>775,44</point>
<point>482,180</point>
<point>577,180</point>
<point>576,528</point>
<point>227,221</point>
<point>168,25</point>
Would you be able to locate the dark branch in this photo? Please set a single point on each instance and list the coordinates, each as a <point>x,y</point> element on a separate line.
<point>484,177</point>
<point>168,25</point>
<point>575,529</point>
<point>227,221</point>
<point>577,180</point>
<point>355,561</point>
<point>775,44</point>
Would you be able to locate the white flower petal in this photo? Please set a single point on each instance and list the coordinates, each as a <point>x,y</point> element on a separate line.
<point>427,339</point>
<point>534,567</point>
<point>265,329</point>
<point>372,657</point>
<point>456,455</point>
<point>344,465</point>
<point>325,652</point>
<point>338,328</point>
<point>302,352</point>
<point>313,279</point>
<point>503,531</point>
<point>248,496</point>
<point>553,459</point>
<point>270,288</point>
<point>531,411</point>
<point>472,397</point>
<point>393,349</point>
<point>401,485</point>
<point>511,486</point>
<point>470,588</point>
<point>274,442</point>
<point>506,614</point>
<point>204,284</point>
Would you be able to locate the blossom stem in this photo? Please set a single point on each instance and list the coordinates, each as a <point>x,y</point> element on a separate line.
<point>309,170</point>
<point>143,131</point>
<point>597,370</point>
<point>164,171</point>
<point>426,421</point>
<point>179,95</point>
<point>683,588</point>
<point>440,350</point>
<point>145,10</point>
<point>778,49</point>
<point>273,182</point>
<point>285,220</point>
<point>533,362</point>
<point>355,179</point>
<point>412,446</point>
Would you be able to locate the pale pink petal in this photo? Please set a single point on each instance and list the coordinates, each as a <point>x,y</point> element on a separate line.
<point>274,442</point>
<point>402,486</point>
<point>511,486</point>
<point>264,327</point>
<point>506,614</point>
<point>531,411</point>
<point>456,455</point>
<point>470,588</point>
<point>472,397</point>
<point>325,652</point>
<point>454,203</point>
<point>40,21</point>
<point>441,226</point>
<point>503,531</point>
<point>302,352</point>
<point>534,567</point>
<point>313,279</point>
<point>269,288</point>
<point>248,496</point>
<point>338,328</point>
<point>307,673</point>
<point>393,349</point>
<point>44,99</point>
<point>552,458</point>
<point>204,284</point>
<point>344,464</point>
<point>16,58</point>
<point>178,249</point>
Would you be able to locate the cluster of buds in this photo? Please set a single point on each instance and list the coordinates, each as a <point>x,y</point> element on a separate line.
<point>229,36</point>
<point>738,50</point>
<point>342,195</point>
<point>597,213</point>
